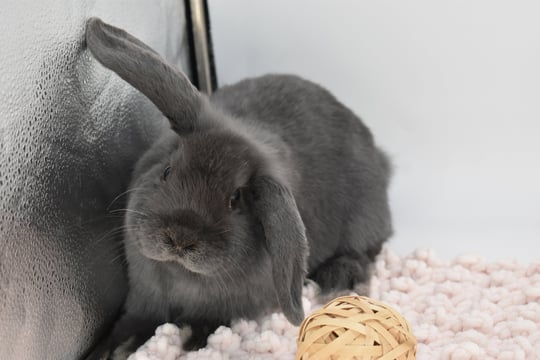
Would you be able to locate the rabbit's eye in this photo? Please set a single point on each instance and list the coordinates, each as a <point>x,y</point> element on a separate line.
<point>234,199</point>
<point>166,173</point>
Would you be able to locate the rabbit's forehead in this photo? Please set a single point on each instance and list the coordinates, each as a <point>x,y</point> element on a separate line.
<point>220,157</point>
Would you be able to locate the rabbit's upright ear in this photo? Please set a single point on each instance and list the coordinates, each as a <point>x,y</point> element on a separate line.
<point>135,62</point>
<point>286,241</point>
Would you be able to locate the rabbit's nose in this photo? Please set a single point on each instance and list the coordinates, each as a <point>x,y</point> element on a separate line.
<point>180,240</point>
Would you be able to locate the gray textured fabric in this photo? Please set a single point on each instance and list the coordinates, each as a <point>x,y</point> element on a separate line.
<point>70,132</point>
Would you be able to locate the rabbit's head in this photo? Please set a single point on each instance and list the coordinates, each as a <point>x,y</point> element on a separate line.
<point>208,198</point>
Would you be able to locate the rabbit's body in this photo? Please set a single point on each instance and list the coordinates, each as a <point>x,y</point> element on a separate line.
<point>226,208</point>
<point>338,177</point>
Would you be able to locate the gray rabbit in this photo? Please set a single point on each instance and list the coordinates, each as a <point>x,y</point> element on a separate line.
<point>264,183</point>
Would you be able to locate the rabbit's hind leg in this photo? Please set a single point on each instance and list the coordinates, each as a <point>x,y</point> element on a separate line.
<point>342,272</point>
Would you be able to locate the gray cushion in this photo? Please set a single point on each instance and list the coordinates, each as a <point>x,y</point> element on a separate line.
<point>70,132</point>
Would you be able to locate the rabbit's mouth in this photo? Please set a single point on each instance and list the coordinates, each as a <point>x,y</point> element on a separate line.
<point>199,265</point>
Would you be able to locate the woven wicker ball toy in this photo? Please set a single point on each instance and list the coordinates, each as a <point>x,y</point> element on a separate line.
<point>356,327</point>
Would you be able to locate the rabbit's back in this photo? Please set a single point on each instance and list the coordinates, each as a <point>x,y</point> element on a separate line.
<point>293,107</point>
<point>343,176</point>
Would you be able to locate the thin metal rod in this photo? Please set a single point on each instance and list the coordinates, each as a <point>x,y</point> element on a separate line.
<point>200,42</point>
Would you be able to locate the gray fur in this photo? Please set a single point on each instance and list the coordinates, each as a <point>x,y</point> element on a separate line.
<point>144,69</point>
<point>310,176</point>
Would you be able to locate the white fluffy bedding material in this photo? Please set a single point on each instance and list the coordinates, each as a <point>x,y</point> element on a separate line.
<point>465,309</point>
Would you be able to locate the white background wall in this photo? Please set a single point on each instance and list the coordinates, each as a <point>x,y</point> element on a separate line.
<point>450,89</point>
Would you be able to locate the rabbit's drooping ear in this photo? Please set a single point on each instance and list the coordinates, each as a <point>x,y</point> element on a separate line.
<point>135,62</point>
<point>286,241</point>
